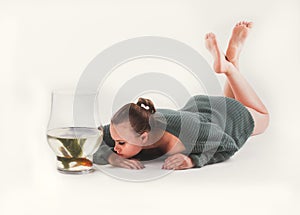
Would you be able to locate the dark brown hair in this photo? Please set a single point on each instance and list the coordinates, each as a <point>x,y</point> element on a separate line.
<point>137,114</point>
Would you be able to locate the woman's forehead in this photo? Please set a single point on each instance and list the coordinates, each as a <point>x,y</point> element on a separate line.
<point>120,131</point>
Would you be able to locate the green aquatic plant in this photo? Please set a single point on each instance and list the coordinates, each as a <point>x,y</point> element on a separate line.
<point>72,152</point>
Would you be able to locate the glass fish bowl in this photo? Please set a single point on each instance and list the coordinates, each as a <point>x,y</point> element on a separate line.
<point>74,132</point>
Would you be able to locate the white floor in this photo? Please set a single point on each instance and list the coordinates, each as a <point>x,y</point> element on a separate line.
<point>47,45</point>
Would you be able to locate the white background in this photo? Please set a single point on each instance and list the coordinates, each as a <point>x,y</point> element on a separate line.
<point>47,44</point>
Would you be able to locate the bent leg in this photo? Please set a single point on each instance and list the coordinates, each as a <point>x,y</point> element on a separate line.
<point>237,40</point>
<point>261,121</point>
<point>228,91</point>
<point>242,90</point>
<point>245,94</point>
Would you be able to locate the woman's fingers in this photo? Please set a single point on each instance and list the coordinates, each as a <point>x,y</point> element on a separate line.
<point>135,164</point>
<point>132,164</point>
<point>118,161</point>
<point>172,165</point>
<point>172,162</point>
<point>177,161</point>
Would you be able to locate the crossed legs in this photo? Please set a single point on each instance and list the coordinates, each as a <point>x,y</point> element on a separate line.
<point>236,85</point>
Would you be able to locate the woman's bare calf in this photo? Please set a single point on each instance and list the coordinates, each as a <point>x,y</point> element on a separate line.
<point>239,86</point>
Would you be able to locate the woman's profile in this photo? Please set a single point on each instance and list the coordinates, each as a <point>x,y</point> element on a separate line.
<point>141,131</point>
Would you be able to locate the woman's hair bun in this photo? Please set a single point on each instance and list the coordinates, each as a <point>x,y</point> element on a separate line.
<point>147,104</point>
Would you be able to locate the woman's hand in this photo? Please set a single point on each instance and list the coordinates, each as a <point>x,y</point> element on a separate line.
<point>118,161</point>
<point>178,161</point>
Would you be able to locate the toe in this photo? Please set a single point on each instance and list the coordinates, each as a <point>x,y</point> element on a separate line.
<point>212,35</point>
<point>208,35</point>
<point>250,24</point>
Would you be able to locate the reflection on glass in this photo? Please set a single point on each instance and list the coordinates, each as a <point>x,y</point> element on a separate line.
<point>73,134</point>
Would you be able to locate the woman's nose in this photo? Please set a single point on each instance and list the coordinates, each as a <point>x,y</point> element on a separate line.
<point>118,148</point>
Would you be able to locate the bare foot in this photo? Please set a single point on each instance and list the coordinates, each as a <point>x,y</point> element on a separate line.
<point>221,65</point>
<point>237,40</point>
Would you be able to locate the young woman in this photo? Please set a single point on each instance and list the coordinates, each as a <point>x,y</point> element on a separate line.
<point>189,137</point>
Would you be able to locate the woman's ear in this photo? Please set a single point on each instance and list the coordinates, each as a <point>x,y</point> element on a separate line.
<point>144,137</point>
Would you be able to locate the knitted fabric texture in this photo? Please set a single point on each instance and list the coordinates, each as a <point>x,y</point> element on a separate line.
<point>212,129</point>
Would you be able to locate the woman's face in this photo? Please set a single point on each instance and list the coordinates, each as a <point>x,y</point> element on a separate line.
<point>127,142</point>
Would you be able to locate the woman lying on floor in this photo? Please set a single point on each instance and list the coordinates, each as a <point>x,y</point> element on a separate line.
<point>207,130</point>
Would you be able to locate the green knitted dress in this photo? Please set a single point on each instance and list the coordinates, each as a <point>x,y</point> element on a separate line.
<point>212,129</point>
